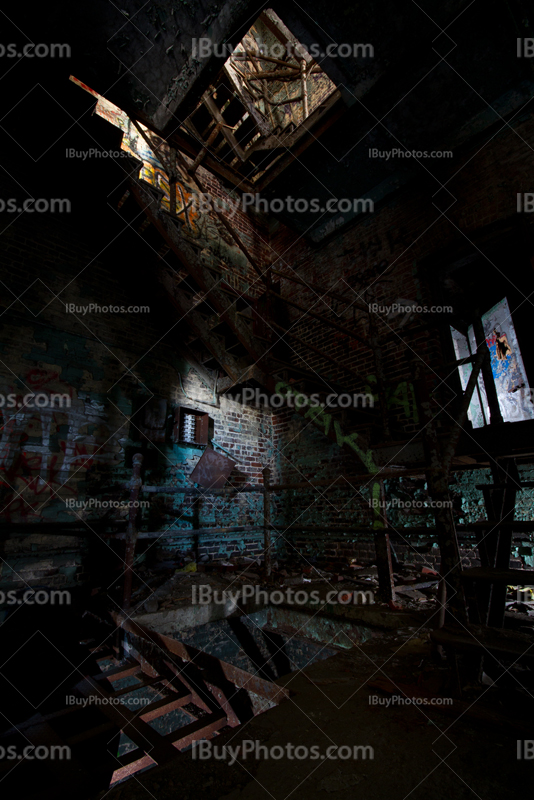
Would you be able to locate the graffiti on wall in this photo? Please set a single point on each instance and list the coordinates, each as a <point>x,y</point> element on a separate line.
<point>45,451</point>
<point>324,420</point>
<point>217,247</point>
<point>400,396</point>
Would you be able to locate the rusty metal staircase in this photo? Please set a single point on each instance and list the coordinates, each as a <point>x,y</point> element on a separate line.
<point>229,329</point>
<point>85,731</point>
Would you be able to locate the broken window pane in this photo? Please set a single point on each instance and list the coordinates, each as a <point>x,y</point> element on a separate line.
<point>507,366</point>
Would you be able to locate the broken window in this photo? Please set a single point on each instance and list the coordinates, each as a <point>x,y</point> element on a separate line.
<point>513,392</point>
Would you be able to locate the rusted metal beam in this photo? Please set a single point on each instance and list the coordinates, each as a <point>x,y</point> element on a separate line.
<point>200,729</point>
<point>163,706</point>
<point>191,261</point>
<point>197,323</point>
<point>271,60</point>
<point>118,673</point>
<point>213,164</point>
<point>298,137</point>
<point>214,666</point>
<point>205,145</point>
<point>131,762</point>
<point>226,131</point>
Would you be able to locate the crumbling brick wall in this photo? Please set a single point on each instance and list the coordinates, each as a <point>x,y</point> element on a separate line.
<point>378,260</point>
<point>107,365</point>
<point>383,253</point>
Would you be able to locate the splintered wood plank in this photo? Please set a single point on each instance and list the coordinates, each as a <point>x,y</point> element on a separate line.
<point>213,666</point>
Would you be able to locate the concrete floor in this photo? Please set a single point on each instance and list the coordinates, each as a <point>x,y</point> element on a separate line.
<point>419,752</point>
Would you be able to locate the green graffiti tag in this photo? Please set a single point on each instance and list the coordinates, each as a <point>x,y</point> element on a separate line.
<point>400,396</point>
<point>319,416</point>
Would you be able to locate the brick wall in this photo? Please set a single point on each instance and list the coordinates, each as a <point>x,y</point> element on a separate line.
<point>107,365</point>
<point>384,251</point>
<point>377,259</point>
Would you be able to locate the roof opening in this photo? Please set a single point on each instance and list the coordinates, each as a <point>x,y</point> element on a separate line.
<point>268,95</point>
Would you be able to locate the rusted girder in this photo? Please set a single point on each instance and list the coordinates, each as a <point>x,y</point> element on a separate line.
<point>214,668</point>
<point>186,253</point>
